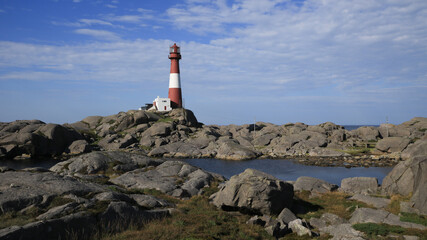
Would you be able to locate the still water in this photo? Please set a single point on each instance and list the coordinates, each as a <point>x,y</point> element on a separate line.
<point>288,170</point>
<point>283,169</point>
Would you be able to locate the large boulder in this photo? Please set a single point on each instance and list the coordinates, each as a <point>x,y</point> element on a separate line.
<point>367,133</point>
<point>409,177</point>
<point>392,144</point>
<point>184,117</point>
<point>254,191</point>
<point>418,148</point>
<point>359,185</point>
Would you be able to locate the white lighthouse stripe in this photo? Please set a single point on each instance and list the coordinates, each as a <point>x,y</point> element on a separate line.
<point>174,80</point>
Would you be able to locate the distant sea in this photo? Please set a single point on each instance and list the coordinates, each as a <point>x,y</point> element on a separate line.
<point>352,127</point>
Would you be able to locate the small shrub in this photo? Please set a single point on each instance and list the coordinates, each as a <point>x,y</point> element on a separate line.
<point>374,229</point>
<point>413,218</point>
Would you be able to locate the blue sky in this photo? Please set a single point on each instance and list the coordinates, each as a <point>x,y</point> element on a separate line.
<point>279,61</point>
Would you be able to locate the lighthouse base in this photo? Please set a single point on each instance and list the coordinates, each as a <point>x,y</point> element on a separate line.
<point>175,97</point>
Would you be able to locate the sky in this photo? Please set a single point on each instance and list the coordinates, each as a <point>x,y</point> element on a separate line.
<point>279,61</point>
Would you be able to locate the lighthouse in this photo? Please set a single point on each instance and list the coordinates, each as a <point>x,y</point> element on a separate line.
<point>175,95</point>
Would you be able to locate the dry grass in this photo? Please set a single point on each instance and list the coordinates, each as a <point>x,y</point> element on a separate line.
<point>333,202</point>
<point>394,206</point>
<point>197,219</point>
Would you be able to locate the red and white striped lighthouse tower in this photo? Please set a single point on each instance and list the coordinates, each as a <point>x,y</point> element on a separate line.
<point>174,79</point>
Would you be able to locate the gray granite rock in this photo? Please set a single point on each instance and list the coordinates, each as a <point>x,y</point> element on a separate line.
<point>359,185</point>
<point>254,191</point>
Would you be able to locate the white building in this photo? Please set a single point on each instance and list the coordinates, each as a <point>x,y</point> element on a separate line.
<point>162,104</point>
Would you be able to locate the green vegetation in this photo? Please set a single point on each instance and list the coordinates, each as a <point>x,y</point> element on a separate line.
<point>354,151</point>
<point>423,129</point>
<point>165,119</point>
<point>197,219</point>
<point>379,231</point>
<point>413,218</point>
<point>333,202</point>
<point>20,218</point>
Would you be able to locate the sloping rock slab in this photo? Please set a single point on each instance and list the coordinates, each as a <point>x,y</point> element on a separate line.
<point>21,189</point>
<point>343,231</point>
<point>256,192</point>
<point>95,162</point>
<point>374,201</point>
<point>368,215</point>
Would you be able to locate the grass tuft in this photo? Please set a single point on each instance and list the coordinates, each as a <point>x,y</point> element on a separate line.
<point>413,218</point>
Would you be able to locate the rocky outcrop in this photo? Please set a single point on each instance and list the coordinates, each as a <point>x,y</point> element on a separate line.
<point>36,139</point>
<point>95,193</point>
<point>174,178</point>
<point>178,134</point>
<point>254,191</point>
<point>409,177</point>
<point>22,189</point>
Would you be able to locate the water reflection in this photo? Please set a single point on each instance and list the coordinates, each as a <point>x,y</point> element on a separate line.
<point>288,169</point>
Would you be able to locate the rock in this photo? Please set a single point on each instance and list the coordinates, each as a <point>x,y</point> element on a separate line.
<point>149,201</point>
<point>313,185</point>
<point>374,201</point>
<point>115,142</point>
<point>167,178</point>
<point>78,224</point>
<point>419,197</point>
<point>96,162</point>
<point>390,130</point>
<point>369,215</point>
<point>79,146</point>
<point>327,219</point>
<point>343,231</point>
<point>274,230</point>
<point>161,129</point>
<point>184,117</point>
<point>254,191</point>
<point>176,149</point>
<point>409,177</point>
<point>419,148</point>
<point>92,121</point>
<point>264,139</point>
<point>58,139</point>
<point>113,196</point>
<point>367,133</point>
<point>230,150</point>
<point>359,185</point>
<point>58,211</point>
<point>298,227</point>
<point>22,189</point>
<point>392,144</point>
<point>286,216</point>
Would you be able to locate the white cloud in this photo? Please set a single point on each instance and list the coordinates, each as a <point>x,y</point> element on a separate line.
<point>77,1</point>
<point>100,34</point>
<point>89,22</point>
<point>110,6</point>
